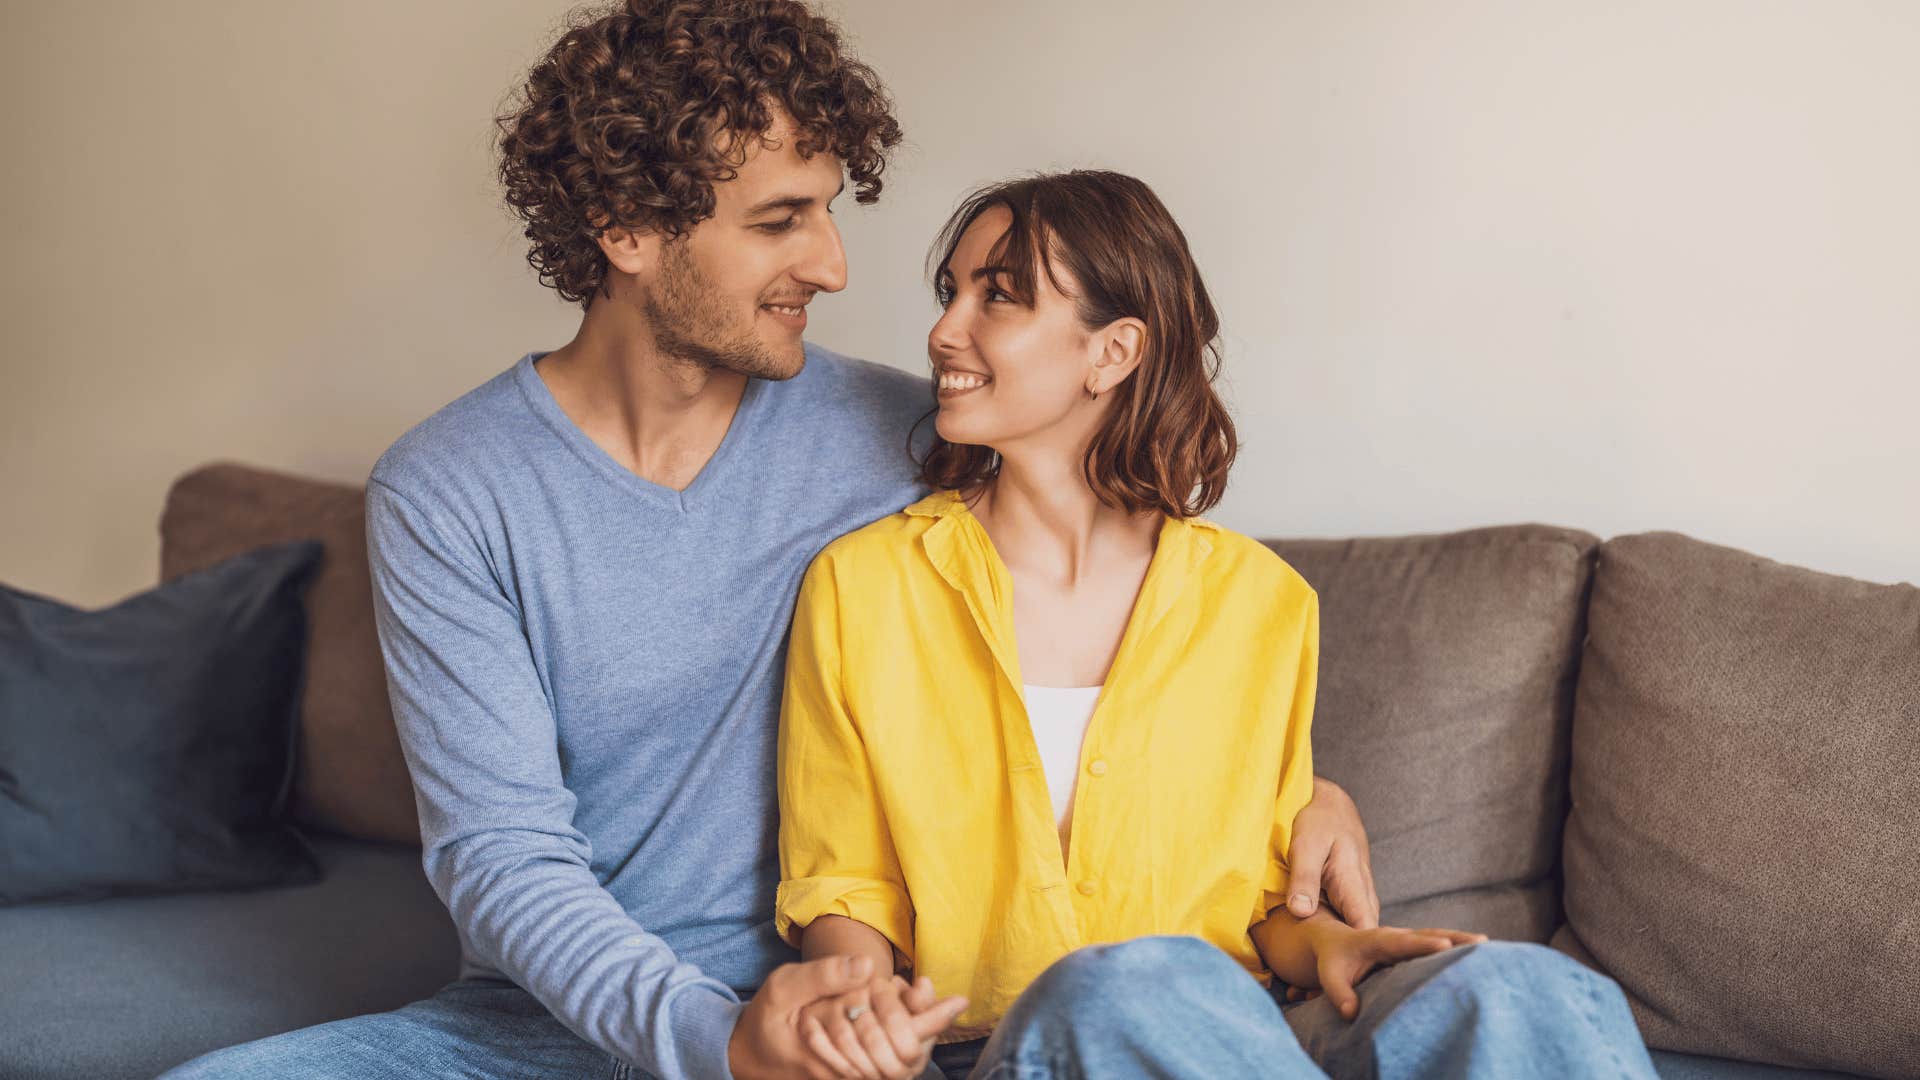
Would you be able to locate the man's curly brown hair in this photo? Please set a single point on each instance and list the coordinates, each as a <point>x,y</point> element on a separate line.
<point>638,110</point>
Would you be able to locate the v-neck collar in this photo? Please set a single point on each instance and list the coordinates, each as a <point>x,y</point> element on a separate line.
<point>959,548</point>
<point>694,496</point>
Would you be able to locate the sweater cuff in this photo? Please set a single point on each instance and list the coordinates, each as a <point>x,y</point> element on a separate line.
<point>701,1024</point>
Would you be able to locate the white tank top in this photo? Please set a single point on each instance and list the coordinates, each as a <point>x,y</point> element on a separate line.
<point>1059,716</point>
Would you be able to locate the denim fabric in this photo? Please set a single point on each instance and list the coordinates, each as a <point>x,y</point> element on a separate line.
<point>480,1029</point>
<point>1176,1007</point>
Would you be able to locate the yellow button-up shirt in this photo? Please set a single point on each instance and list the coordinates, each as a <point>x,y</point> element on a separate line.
<point>912,796</point>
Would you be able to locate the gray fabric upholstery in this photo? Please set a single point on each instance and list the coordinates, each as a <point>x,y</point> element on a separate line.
<point>130,987</point>
<point>1446,680</point>
<point>1745,804</point>
<point>1672,1066</point>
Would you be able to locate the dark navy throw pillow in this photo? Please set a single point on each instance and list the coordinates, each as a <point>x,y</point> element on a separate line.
<point>148,746</point>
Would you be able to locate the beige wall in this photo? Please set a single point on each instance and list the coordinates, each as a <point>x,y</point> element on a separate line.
<point>1638,266</point>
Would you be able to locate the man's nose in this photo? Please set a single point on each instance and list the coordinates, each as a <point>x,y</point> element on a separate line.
<point>826,265</point>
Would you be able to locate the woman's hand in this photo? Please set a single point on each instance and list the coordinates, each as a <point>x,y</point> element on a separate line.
<point>1329,852</point>
<point>892,1035</point>
<point>1343,956</point>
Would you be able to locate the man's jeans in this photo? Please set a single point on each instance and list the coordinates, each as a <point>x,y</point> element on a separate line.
<point>1160,1006</point>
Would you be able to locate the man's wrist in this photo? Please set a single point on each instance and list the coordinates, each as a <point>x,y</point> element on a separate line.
<point>701,1024</point>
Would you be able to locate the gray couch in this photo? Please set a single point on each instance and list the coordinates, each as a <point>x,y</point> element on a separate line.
<point>1685,765</point>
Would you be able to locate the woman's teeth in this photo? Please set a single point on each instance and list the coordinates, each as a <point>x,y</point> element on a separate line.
<point>957,381</point>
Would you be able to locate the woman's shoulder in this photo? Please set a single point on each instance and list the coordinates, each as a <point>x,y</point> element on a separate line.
<point>1250,563</point>
<point>878,546</point>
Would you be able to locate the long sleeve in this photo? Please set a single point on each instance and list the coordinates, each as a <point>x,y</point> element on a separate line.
<point>1296,766</point>
<point>836,853</point>
<point>496,819</point>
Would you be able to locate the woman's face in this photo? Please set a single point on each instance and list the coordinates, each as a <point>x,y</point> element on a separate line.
<point>1008,372</point>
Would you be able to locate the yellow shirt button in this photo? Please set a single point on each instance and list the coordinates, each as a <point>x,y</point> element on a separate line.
<point>1086,888</point>
<point>1098,767</point>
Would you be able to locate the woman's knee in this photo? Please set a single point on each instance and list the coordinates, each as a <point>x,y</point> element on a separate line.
<point>1108,984</point>
<point>1129,965</point>
<point>1518,962</point>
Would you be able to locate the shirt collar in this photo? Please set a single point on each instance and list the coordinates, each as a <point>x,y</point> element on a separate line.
<point>958,547</point>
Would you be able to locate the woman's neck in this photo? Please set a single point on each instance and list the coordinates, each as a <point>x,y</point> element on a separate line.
<point>1044,519</point>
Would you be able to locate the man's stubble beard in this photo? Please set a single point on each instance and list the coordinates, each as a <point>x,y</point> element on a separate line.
<point>690,323</point>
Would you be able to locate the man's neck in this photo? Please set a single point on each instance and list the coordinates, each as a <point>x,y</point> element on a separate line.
<point>659,416</point>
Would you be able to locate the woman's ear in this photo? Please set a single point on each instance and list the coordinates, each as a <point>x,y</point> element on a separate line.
<point>1123,346</point>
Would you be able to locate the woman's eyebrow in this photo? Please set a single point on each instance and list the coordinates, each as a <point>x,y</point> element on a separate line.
<point>984,271</point>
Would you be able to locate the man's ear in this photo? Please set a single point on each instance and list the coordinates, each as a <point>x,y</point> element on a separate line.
<point>1123,347</point>
<point>632,252</point>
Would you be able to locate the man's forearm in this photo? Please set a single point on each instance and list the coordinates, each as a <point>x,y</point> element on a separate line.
<point>547,924</point>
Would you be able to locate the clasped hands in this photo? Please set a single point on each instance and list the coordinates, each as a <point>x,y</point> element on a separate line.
<point>838,1019</point>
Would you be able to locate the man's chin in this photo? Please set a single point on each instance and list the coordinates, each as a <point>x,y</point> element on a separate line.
<point>781,362</point>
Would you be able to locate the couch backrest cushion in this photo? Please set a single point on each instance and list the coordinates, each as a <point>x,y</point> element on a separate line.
<point>350,777</point>
<point>1743,852</point>
<point>1447,665</point>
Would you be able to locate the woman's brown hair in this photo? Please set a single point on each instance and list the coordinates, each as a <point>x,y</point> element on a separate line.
<point>1167,441</point>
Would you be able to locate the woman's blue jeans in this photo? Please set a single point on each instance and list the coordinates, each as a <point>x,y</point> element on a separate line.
<point>1176,1007</point>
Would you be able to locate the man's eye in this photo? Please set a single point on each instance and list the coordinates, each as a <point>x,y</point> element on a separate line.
<point>776,226</point>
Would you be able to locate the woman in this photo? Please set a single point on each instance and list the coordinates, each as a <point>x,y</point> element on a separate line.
<point>1049,706</point>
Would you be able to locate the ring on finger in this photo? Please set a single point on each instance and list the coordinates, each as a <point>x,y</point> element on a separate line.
<point>855,1012</point>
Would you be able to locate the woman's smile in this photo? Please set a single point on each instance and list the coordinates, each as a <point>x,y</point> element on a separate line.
<point>954,383</point>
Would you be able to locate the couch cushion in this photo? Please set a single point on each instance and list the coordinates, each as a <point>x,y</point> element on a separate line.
<point>1746,801</point>
<point>351,778</point>
<point>148,746</point>
<point>1446,675</point>
<point>130,987</point>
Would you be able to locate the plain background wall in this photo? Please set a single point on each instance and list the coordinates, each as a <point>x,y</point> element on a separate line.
<point>1621,267</point>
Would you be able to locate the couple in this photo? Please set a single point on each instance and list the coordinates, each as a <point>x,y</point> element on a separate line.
<point>1021,770</point>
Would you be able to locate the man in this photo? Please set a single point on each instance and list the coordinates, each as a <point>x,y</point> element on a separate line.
<point>584,570</point>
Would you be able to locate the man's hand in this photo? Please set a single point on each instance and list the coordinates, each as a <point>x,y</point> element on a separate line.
<point>767,1041</point>
<point>891,1039</point>
<point>1329,851</point>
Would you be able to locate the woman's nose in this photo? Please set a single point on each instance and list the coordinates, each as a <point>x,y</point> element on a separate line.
<point>948,336</point>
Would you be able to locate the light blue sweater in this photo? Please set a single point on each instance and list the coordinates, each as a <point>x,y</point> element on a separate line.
<point>585,669</point>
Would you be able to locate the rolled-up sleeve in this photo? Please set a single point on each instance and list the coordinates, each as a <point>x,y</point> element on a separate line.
<point>1296,766</point>
<point>836,854</point>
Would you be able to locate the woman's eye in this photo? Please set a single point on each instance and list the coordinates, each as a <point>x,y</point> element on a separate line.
<point>993,292</point>
<point>942,295</point>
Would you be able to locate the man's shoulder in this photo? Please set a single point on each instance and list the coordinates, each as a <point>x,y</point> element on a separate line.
<point>866,386</point>
<point>439,450</point>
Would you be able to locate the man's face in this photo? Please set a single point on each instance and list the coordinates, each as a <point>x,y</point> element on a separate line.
<point>732,292</point>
